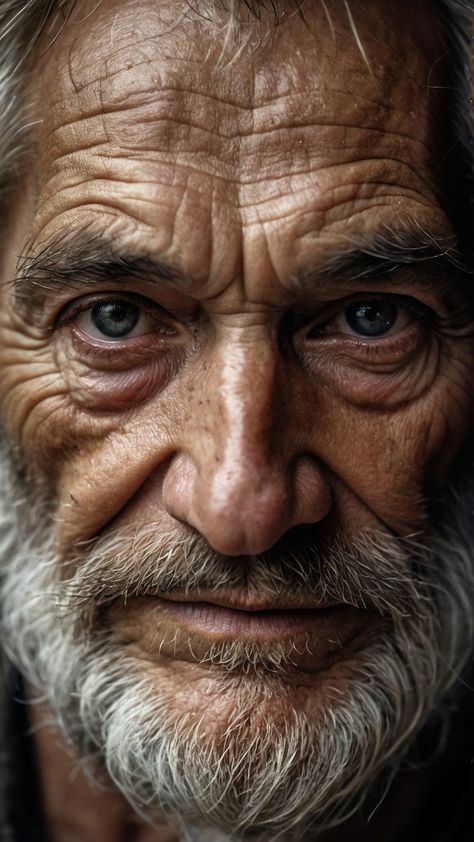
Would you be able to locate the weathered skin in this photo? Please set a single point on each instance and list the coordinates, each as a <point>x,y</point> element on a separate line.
<point>240,178</point>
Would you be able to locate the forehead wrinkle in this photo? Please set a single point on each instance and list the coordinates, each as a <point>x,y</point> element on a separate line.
<point>138,129</point>
<point>257,104</point>
<point>273,100</point>
<point>143,126</point>
<point>152,108</point>
<point>240,162</point>
<point>147,91</point>
<point>259,80</point>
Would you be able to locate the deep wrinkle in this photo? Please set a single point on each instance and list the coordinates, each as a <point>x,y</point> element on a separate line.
<point>78,261</point>
<point>247,180</point>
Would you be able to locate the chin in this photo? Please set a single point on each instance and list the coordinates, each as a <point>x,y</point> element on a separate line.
<point>248,751</point>
<point>244,752</point>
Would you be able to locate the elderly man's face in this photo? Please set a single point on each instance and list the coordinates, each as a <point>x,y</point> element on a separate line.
<point>232,379</point>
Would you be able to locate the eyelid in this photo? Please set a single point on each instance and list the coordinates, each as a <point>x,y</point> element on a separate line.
<point>420,311</point>
<point>81,305</point>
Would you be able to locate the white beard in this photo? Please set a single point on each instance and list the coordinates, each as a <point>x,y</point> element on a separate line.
<point>269,781</point>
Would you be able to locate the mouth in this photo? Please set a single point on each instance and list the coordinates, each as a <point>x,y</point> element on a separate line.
<point>249,621</point>
<point>183,627</point>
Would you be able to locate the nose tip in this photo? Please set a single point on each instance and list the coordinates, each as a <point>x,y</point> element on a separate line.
<point>246,514</point>
<point>241,518</point>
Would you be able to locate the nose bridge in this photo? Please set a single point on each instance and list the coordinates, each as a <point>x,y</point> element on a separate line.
<point>248,374</point>
<point>241,491</point>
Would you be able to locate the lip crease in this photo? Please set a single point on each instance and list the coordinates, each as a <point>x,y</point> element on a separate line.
<point>229,617</point>
<point>232,601</point>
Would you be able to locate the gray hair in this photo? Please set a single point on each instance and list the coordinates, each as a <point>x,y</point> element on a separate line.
<point>23,22</point>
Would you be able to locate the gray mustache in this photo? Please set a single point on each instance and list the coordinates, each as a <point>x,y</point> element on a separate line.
<point>374,571</point>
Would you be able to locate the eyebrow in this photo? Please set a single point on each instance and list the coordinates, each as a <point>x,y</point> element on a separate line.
<point>389,252</point>
<point>78,261</point>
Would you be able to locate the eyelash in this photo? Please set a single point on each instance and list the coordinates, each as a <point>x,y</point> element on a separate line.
<point>72,311</point>
<point>422,313</point>
<point>293,324</point>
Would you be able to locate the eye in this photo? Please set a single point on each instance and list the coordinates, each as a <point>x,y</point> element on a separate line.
<point>370,318</point>
<point>115,319</point>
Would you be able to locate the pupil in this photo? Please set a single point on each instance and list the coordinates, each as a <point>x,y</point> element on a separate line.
<point>371,318</point>
<point>115,318</point>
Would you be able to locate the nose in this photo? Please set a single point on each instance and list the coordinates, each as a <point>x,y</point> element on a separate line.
<point>241,479</point>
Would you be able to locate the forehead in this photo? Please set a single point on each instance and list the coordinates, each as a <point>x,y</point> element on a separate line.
<point>327,128</point>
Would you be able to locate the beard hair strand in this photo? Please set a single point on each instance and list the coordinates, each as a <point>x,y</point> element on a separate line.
<point>276,779</point>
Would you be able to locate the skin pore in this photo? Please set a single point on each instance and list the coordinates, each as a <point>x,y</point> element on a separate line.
<point>220,208</point>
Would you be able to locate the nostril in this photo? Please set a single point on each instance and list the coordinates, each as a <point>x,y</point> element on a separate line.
<point>245,510</point>
<point>238,512</point>
<point>311,492</point>
<point>179,487</point>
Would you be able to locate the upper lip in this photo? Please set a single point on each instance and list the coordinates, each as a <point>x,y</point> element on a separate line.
<point>251,604</point>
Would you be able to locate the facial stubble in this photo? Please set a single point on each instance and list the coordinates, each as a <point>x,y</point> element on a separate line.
<point>270,768</point>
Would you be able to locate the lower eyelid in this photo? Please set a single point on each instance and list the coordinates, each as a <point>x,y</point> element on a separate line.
<point>347,349</point>
<point>103,386</point>
<point>119,356</point>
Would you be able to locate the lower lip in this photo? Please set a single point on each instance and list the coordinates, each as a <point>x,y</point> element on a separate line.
<point>223,621</point>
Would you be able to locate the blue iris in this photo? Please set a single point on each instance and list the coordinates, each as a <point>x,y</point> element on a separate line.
<point>371,318</point>
<point>115,318</point>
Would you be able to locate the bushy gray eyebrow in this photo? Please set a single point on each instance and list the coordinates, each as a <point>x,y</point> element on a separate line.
<point>387,252</point>
<point>78,261</point>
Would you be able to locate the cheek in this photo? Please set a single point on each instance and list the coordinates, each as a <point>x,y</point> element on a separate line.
<point>37,413</point>
<point>389,464</point>
<point>31,388</point>
<point>105,478</point>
